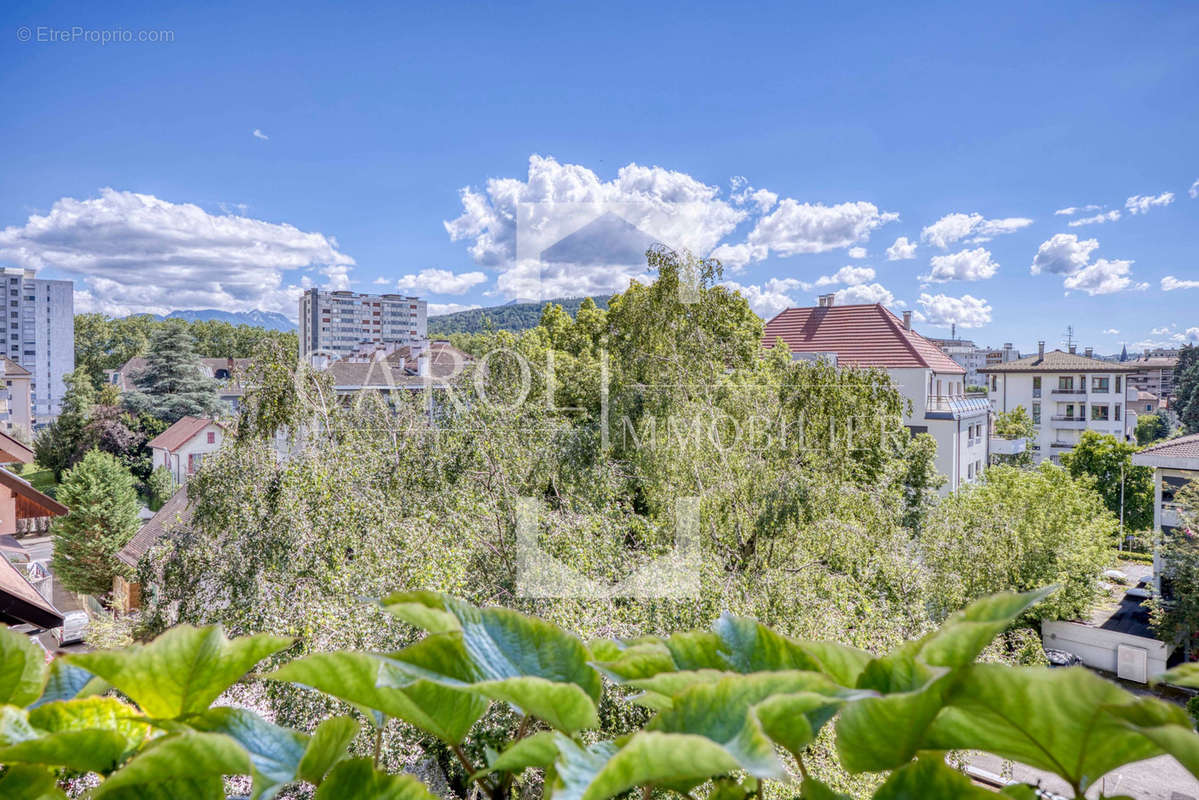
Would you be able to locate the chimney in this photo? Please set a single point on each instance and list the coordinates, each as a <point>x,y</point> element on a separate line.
<point>826,300</point>
<point>422,365</point>
<point>1146,352</point>
<point>1090,351</point>
<point>1073,348</point>
<point>1041,349</point>
<point>907,320</point>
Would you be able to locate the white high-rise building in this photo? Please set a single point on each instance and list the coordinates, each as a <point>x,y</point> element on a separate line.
<point>337,324</point>
<point>39,334</point>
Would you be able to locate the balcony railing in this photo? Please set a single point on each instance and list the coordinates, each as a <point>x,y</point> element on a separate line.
<point>1068,391</point>
<point>1062,444</point>
<point>958,406</point>
<point>1066,418</point>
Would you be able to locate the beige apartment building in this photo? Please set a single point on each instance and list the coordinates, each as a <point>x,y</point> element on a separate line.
<point>16,398</point>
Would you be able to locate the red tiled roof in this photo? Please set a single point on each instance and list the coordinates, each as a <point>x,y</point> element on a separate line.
<point>1180,447</point>
<point>174,513</point>
<point>860,335</point>
<point>180,433</point>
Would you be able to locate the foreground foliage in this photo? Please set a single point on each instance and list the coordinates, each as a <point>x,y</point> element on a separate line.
<point>734,708</point>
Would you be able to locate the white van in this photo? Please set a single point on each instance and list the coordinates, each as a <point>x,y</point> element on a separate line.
<point>74,626</point>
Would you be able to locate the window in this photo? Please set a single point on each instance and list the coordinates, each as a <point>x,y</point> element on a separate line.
<point>1117,412</point>
<point>1036,413</point>
<point>1036,386</point>
<point>1117,383</point>
<point>1065,383</point>
<point>994,383</point>
<point>1099,384</point>
<point>970,472</point>
<point>212,437</point>
<point>1099,412</point>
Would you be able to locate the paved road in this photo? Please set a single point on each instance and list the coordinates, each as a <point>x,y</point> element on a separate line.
<point>1160,778</point>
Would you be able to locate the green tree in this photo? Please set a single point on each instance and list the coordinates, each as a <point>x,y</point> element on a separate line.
<point>56,446</point>
<point>160,486</point>
<point>103,505</point>
<point>1107,462</point>
<point>1175,612</point>
<point>174,383</point>
<point>921,480</point>
<point>1150,428</point>
<point>1019,528</point>
<point>1015,424</point>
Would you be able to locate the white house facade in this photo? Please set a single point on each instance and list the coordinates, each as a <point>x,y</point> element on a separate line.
<point>1065,394</point>
<point>183,447</point>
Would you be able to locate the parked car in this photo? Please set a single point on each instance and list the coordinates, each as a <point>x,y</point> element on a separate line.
<point>74,626</point>
<point>1060,658</point>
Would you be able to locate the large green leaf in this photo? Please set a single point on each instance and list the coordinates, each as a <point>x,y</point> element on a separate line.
<point>358,779</point>
<point>1054,719</point>
<point>367,681</point>
<point>536,667</point>
<point>85,750</point>
<point>813,789</point>
<point>750,646</point>
<point>876,733</point>
<point>95,734</point>
<point>1183,675</point>
<point>190,764</point>
<point>326,747</point>
<point>29,783</point>
<point>67,682</point>
<point>1165,725</point>
<point>210,788</point>
<point>604,770</point>
<point>22,668</point>
<point>433,612</point>
<point>930,779</point>
<point>275,752</point>
<point>968,632</point>
<point>538,750</point>
<point>183,670</point>
<point>14,726</point>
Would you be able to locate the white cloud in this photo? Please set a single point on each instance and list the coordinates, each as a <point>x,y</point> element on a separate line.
<point>1063,254</point>
<point>795,227</point>
<point>1170,283</point>
<point>437,309</point>
<point>1162,331</point>
<point>967,265</point>
<point>744,194</point>
<point>901,250</point>
<point>1072,210</point>
<point>952,228</point>
<point>554,201</point>
<point>865,293</point>
<point>260,135</point>
<point>849,275</point>
<point>1098,219</point>
<point>857,252</point>
<point>1140,204</point>
<point>381,281</point>
<point>965,311</point>
<point>1103,277</point>
<point>768,300</point>
<point>1111,332</point>
<point>137,253</point>
<point>1190,335</point>
<point>1194,190</point>
<point>440,281</point>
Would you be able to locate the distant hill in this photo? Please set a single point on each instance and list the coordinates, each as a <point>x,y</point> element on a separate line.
<point>509,317</point>
<point>271,320</point>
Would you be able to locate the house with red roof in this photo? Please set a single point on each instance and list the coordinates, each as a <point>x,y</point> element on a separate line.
<point>182,447</point>
<point>870,336</point>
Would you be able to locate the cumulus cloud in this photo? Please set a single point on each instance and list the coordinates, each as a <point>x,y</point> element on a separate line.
<point>849,275</point>
<point>260,135</point>
<point>953,228</point>
<point>512,222</point>
<point>902,249</point>
<point>437,309</point>
<point>1072,210</point>
<point>857,252</point>
<point>864,293</point>
<point>440,281</point>
<point>769,299</point>
<point>1111,332</point>
<point>1170,283</point>
<point>1194,190</point>
<point>760,199</point>
<point>965,311</point>
<point>966,265</point>
<point>137,253</point>
<point>1098,219</point>
<point>1103,277</point>
<point>794,227</point>
<point>1064,254</point>
<point>1140,204</point>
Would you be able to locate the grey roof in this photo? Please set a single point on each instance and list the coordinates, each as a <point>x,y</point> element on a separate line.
<point>1181,447</point>
<point>174,513</point>
<point>1058,361</point>
<point>400,369</point>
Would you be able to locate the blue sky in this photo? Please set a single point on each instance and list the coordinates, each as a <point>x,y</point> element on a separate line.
<point>793,134</point>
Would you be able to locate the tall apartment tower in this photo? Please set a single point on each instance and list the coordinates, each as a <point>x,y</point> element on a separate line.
<point>40,335</point>
<point>337,324</point>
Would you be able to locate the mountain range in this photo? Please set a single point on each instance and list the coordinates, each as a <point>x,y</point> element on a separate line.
<point>271,320</point>
<point>508,317</point>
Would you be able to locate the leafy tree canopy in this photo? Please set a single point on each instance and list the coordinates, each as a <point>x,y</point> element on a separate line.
<point>174,383</point>
<point>1125,489</point>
